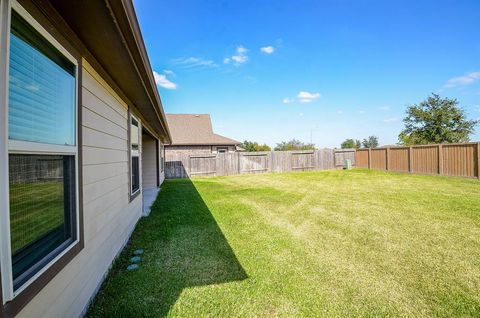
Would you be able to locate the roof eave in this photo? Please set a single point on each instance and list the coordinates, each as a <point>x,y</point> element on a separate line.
<point>110,38</point>
<point>136,44</point>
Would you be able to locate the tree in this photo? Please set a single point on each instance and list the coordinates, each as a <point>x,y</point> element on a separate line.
<point>436,120</point>
<point>294,145</point>
<point>370,142</point>
<point>350,143</point>
<point>251,146</point>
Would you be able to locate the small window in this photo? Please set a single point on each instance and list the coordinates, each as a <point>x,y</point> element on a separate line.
<point>134,153</point>
<point>222,150</point>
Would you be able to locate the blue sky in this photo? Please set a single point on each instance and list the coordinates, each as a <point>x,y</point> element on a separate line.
<point>328,70</point>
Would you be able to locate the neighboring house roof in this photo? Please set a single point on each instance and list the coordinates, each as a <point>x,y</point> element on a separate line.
<point>195,129</point>
<point>108,36</point>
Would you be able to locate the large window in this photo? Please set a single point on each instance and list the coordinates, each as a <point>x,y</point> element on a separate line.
<point>42,153</point>
<point>134,155</point>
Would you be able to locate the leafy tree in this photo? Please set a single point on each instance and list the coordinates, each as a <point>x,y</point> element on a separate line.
<point>294,145</point>
<point>370,142</point>
<point>351,143</point>
<point>251,146</point>
<point>436,120</point>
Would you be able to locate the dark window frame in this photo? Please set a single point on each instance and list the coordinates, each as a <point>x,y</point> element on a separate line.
<point>133,194</point>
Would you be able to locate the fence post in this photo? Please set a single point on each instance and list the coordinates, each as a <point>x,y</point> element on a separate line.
<point>478,160</point>
<point>369,158</point>
<point>440,159</point>
<point>410,159</point>
<point>387,161</point>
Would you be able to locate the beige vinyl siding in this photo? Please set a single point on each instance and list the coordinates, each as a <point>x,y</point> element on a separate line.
<point>149,162</point>
<point>173,151</point>
<point>109,217</point>
<point>228,148</point>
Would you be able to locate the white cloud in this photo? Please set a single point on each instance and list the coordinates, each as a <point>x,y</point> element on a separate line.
<point>385,108</point>
<point>193,62</point>
<point>339,112</point>
<point>239,58</point>
<point>301,114</point>
<point>267,49</point>
<point>390,120</point>
<point>162,81</point>
<point>169,72</point>
<point>241,49</point>
<point>306,97</point>
<point>361,111</point>
<point>463,80</point>
<point>287,100</point>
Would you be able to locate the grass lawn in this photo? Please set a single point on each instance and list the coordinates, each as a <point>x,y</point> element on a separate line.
<point>331,243</point>
<point>35,210</point>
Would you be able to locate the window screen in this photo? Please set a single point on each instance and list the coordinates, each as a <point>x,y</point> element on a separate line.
<point>41,89</point>
<point>42,205</point>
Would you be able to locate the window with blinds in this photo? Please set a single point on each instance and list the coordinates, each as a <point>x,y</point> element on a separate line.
<point>42,183</point>
<point>42,89</point>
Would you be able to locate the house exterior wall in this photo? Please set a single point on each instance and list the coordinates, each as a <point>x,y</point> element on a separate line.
<point>172,151</point>
<point>229,148</point>
<point>149,162</point>
<point>109,217</point>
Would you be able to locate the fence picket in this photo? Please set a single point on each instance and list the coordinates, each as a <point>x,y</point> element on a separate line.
<point>185,166</point>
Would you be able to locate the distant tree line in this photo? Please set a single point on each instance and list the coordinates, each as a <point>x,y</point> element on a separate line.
<point>294,144</point>
<point>369,142</point>
<point>252,146</point>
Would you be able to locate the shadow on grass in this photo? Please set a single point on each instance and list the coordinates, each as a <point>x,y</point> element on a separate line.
<point>184,247</point>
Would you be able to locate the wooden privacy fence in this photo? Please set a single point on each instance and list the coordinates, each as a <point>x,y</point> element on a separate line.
<point>444,159</point>
<point>224,164</point>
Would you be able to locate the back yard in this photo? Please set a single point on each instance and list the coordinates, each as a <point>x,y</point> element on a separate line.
<point>331,243</point>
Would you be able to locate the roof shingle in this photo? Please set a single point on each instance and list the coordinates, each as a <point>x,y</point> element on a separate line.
<point>195,129</point>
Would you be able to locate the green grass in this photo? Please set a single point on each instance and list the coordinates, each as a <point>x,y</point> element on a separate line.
<point>333,243</point>
<point>35,210</point>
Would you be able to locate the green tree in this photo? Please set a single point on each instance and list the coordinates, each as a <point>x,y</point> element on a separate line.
<point>252,146</point>
<point>294,145</point>
<point>351,143</point>
<point>436,120</point>
<point>370,142</point>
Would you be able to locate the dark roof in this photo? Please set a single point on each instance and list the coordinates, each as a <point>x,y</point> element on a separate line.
<point>195,129</point>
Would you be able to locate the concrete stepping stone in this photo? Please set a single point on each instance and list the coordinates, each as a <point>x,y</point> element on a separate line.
<point>132,267</point>
<point>135,259</point>
<point>138,252</point>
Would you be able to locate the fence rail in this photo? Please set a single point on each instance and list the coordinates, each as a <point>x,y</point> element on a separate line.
<point>185,166</point>
<point>461,160</point>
